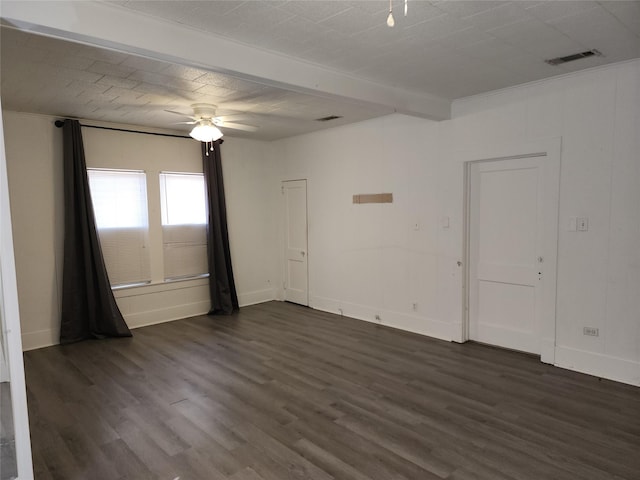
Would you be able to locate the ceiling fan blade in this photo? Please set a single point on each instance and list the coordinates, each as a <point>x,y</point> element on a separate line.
<point>181,114</point>
<point>239,126</point>
<point>234,116</point>
<point>185,123</point>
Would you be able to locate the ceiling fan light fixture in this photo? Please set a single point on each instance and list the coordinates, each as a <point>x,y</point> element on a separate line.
<point>206,131</point>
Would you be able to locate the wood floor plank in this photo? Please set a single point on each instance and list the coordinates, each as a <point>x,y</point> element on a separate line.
<point>205,447</point>
<point>297,466</point>
<point>328,462</point>
<point>147,451</point>
<point>282,392</point>
<point>128,465</point>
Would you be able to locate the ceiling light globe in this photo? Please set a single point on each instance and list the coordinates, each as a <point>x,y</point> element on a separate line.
<point>206,133</point>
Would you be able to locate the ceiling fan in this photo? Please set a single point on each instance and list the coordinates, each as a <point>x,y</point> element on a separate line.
<point>208,124</point>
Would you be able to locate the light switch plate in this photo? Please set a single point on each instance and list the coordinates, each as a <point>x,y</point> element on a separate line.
<point>582,224</point>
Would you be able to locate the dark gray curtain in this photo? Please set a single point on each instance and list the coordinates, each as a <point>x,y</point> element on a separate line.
<point>222,288</point>
<point>89,309</point>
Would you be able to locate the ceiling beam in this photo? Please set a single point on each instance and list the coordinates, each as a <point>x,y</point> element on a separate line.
<point>117,28</point>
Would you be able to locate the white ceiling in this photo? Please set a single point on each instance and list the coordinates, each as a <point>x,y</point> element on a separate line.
<point>448,49</point>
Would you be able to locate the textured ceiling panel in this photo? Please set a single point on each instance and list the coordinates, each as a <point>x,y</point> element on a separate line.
<point>351,35</point>
<point>55,77</point>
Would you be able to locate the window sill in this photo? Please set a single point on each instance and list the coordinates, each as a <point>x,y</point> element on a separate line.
<point>156,287</point>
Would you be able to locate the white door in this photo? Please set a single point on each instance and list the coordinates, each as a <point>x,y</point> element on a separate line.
<point>512,251</point>
<point>296,274</point>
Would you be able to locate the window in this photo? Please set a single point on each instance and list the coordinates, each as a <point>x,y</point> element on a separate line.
<point>184,223</point>
<point>120,206</point>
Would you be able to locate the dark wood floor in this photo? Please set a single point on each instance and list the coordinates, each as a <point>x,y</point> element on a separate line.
<point>281,392</point>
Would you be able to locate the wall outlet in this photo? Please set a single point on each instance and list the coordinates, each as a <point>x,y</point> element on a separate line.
<point>591,331</point>
<point>414,306</point>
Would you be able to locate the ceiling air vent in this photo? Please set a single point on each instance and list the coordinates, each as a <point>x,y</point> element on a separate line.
<point>326,119</point>
<point>575,56</point>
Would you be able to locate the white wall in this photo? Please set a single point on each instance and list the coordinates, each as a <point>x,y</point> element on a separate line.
<point>368,259</point>
<point>597,115</point>
<point>35,184</point>
<point>250,171</point>
<point>35,188</point>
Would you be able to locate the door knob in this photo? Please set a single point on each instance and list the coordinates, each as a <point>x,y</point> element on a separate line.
<point>302,253</point>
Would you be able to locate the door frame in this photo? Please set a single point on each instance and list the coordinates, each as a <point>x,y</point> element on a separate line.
<point>551,150</point>
<point>10,323</point>
<point>283,263</point>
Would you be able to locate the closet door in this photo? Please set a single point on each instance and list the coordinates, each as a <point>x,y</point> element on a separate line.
<point>296,258</point>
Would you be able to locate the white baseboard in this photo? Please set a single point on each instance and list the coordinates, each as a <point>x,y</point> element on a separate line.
<point>402,321</point>
<point>40,339</point>
<point>548,350</point>
<point>258,296</point>
<point>617,369</point>
<point>605,366</point>
<point>596,364</point>
<point>169,314</point>
<point>47,338</point>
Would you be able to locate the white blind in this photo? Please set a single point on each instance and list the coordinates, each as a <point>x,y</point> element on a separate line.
<point>120,205</point>
<point>183,225</point>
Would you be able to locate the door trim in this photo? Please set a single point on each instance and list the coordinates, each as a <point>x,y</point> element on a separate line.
<point>551,150</point>
<point>10,323</point>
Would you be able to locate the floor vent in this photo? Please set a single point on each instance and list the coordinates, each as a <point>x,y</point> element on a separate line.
<point>575,56</point>
<point>326,119</point>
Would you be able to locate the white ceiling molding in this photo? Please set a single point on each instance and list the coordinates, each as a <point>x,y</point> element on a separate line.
<point>107,26</point>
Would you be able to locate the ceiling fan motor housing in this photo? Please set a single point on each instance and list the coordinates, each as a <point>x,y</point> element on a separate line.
<point>204,110</point>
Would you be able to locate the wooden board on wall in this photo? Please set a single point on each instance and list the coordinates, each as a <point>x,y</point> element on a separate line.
<point>373,198</point>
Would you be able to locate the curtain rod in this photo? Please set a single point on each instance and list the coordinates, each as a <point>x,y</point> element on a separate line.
<point>60,123</point>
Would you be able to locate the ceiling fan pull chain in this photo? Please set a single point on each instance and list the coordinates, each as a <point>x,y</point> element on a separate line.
<point>206,148</point>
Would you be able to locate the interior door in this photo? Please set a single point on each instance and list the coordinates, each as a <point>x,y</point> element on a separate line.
<point>296,259</point>
<point>509,239</point>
